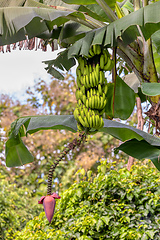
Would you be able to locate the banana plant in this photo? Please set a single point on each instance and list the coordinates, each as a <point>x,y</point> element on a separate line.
<point>129,29</point>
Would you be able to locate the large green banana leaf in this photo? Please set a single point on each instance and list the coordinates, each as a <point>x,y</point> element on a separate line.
<point>17,154</point>
<point>16,22</point>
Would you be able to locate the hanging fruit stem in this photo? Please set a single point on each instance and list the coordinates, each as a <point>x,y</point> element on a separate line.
<point>75,143</point>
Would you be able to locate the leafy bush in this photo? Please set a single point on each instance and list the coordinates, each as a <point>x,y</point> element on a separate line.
<point>17,206</point>
<point>116,204</point>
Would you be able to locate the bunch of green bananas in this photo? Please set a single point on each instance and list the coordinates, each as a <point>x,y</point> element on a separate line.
<point>92,88</point>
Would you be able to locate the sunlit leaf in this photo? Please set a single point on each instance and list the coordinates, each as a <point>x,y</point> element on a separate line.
<point>150,89</point>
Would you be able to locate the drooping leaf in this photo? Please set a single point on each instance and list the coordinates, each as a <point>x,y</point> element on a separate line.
<point>61,62</point>
<point>118,130</point>
<point>72,32</point>
<point>33,124</point>
<point>95,11</point>
<point>126,27</point>
<point>16,152</point>
<point>150,89</point>
<point>141,150</point>
<point>125,132</point>
<point>124,100</point>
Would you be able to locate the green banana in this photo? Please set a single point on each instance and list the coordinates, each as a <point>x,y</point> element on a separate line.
<point>102,61</point>
<point>109,65</point>
<point>92,88</point>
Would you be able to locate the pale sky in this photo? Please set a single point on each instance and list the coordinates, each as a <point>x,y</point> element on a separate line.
<point>19,69</point>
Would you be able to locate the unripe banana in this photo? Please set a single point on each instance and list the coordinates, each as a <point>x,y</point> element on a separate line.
<point>82,114</point>
<point>82,80</point>
<point>82,121</point>
<point>78,82</point>
<point>90,68</point>
<point>104,103</point>
<point>101,77</point>
<point>84,98</point>
<point>78,72</point>
<point>77,94</point>
<point>83,89</point>
<point>93,104</point>
<point>86,122</point>
<point>102,61</point>
<point>105,89</point>
<point>92,89</point>
<point>109,65</point>
<point>101,123</point>
<point>97,69</point>
<point>81,65</point>
<point>90,102</point>
<point>106,57</point>
<point>87,103</point>
<point>93,121</point>
<point>76,113</point>
<point>94,49</point>
<point>90,80</point>
<point>97,121</point>
<point>87,82</point>
<point>91,52</point>
<point>80,127</point>
<point>100,89</point>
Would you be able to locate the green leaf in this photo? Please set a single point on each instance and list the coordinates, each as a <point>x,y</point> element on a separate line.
<point>72,32</point>
<point>16,153</point>
<point>62,62</point>
<point>37,123</point>
<point>33,124</point>
<point>150,233</point>
<point>99,224</point>
<point>106,219</point>
<point>95,11</point>
<point>141,150</point>
<point>147,18</point>
<point>155,40</point>
<point>109,105</point>
<point>124,100</point>
<point>125,132</point>
<point>150,89</point>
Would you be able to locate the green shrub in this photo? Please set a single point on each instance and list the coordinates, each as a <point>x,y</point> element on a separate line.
<point>116,204</point>
<point>17,206</point>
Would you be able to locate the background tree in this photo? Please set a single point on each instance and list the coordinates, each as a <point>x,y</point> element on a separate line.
<point>100,23</point>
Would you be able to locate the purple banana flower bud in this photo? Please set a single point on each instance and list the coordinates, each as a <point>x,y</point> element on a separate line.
<point>49,205</point>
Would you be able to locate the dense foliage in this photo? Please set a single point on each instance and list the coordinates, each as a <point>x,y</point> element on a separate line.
<point>17,205</point>
<point>115,204</point>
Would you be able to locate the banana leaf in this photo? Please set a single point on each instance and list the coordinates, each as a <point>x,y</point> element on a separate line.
<point>31,124</point>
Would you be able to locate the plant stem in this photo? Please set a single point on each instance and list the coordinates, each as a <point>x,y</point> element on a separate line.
<point>136,5</point>
<point>75,143</point>
<point>107,10</point>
